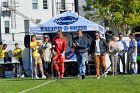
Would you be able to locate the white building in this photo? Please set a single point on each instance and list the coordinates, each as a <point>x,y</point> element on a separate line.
<point>18,15</point>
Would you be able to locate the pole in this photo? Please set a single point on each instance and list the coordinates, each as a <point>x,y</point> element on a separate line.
<point>52,8</point>
<point>0,23</point>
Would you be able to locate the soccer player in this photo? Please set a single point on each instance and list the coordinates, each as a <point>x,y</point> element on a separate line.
<point>132,53</point>
<point>58,49</point>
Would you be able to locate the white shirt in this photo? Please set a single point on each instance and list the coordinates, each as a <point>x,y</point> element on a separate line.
<point>98,52</point>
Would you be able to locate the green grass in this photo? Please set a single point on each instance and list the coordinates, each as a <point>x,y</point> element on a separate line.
<point>111,84</point>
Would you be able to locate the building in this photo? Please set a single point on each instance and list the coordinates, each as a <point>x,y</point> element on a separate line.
<point>18,15</point>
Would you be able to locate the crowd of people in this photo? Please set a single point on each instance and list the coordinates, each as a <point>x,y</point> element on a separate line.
<point>50,56</point>
<point>5,56</point>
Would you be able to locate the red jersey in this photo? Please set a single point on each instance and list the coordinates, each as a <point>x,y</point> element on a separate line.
<point>59,44</point>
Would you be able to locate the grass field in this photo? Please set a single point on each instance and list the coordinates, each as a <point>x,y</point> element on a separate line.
<point>111,84</point>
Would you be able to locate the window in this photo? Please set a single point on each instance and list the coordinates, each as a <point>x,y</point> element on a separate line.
<point>45,4</point>
<point>35,4</point>
<point>63,4</point>
<point>6,13</point>
<point>6,24</point>
<point>5,4</point>
<point>26,26</point>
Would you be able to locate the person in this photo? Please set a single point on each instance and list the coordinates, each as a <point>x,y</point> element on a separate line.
<point>99,48</point>
<point>80,43</point>
<point>7,58</point>
<point>17,53</point>
<point>121,54</point>
<point>58,50</point>
<point>34,45</point>
<point>71,55</point>
<point>113,54</point>
<point>46,55</point>
<point>132,53</point>
<point>3,50</point>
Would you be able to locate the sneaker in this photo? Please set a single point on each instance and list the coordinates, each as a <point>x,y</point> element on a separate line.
<point>98,77</point>
<point>105,75</point>
<point>36,77</point>
<point>83,76</point>
<point>43,76</point>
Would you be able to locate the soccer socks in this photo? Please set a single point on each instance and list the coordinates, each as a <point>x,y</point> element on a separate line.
<point>135,68</point>
<point>132,67</point>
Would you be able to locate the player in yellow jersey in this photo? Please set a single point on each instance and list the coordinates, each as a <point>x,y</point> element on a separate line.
<point>34,45</point>
<point>3,50</point>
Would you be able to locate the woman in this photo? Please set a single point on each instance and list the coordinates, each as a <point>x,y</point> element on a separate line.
<point>113,54</point>
<point>34,45</point>
<point>46,55</point>
<point>132,53</point>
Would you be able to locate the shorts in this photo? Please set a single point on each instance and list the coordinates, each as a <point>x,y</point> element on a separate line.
<point>132,58</point>
<point>59,58</point>
<point>39,61</point>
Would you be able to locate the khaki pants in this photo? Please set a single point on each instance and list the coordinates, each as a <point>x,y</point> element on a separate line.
<point>98,59</point>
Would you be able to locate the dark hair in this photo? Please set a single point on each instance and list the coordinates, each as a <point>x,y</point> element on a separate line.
<point>4,45</point>
<point>132,34</point>
<point>16,43</point>
<point>97,32</point>
<point>121,34</point>
<point>33,36</point>
<point>80,31</point>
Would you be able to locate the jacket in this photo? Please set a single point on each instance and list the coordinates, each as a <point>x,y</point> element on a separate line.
<point>82,44</point>
<point>47,54</point>
<point>102,44</point>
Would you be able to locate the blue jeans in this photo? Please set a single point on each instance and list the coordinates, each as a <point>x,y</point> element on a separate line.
<point>81,58</point>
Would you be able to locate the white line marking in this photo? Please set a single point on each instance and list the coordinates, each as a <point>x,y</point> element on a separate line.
<point>36,86</point>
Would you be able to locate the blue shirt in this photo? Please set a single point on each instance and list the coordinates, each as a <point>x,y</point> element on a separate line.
<point>73,57</point>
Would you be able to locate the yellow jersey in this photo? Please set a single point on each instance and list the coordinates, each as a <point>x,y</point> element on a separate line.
<point>35,50</point>
<point>2,52</point>
<point>17,52</point>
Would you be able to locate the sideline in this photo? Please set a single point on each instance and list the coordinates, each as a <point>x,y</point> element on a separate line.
<point>36,86</point>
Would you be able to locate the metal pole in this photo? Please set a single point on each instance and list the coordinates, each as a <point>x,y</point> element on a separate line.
<point>0,22</point>
<point>52,8</point>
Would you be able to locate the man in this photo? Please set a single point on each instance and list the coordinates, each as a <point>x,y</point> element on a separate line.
<point>121,54</point>
<point>98,48</point>
<point>80,44</point>
<point>58,49</point>
<point>132,53</point>
<point>17,52</point>
<point>3,50</point>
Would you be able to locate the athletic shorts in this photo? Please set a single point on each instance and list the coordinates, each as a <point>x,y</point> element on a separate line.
<point>133,58</point>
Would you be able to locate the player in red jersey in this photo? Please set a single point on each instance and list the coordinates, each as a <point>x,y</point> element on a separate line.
<point>58,50</point>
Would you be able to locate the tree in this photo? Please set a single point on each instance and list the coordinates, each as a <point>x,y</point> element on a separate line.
<point>120,14</point>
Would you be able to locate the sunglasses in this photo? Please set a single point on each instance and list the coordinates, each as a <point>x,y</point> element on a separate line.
<point>96,35</point>
<point>46,37</point>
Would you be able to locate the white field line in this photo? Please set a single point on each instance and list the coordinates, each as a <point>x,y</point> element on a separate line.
<point>36,87</point>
